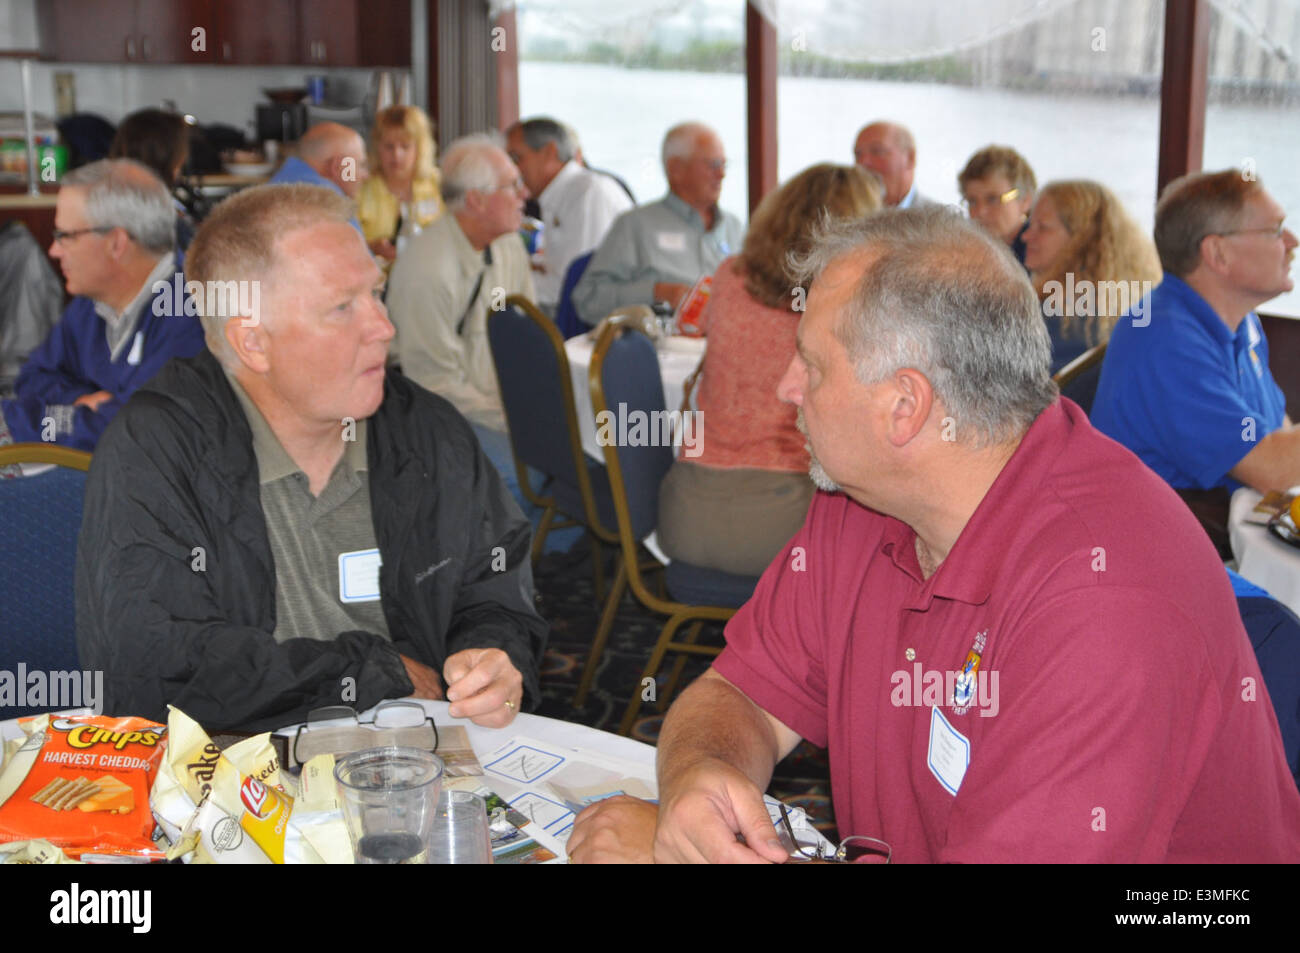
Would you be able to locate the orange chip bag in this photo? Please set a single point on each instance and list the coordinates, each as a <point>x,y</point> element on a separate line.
<point>83,783</point>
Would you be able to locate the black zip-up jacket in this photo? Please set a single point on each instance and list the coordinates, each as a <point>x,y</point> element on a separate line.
<point>176,582</point>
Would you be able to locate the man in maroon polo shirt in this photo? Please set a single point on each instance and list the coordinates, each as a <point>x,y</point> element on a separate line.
<point>1012,636</point>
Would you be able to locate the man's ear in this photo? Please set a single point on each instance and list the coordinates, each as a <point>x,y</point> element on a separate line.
<point>334,169</point>
<point>249,342</point>
<point>119,243</point>
<point>911,401</point>
<point>672,170</point>
<point>1214,253</point>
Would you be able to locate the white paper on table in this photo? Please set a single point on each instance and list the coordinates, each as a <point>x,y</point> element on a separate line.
<point>550,784</point>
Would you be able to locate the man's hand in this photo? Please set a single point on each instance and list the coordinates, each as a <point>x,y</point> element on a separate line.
<point>711,803</point>
<point>480,682</point>
<point>617,830</point>
<point>93,400</point>
<point>670,292</point>
<point>426,681</point>
<point>384,248</point>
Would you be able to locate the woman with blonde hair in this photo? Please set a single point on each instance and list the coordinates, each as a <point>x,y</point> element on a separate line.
<point>1088,260</point>
<point>403,194</point>
<point>740,500</point>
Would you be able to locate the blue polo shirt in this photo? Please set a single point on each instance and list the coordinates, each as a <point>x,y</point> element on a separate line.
<point>1185,393</point>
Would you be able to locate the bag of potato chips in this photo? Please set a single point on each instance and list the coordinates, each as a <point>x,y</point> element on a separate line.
<point>82,783</point>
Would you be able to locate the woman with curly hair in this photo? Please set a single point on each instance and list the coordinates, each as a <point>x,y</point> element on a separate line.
<point>1087,259</point>
<point>404,196</point>
<point>740,500</point>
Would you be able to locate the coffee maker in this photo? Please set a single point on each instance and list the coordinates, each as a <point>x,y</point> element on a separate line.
<point>281,122</point>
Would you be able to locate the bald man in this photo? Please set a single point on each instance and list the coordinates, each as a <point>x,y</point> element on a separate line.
<point>888,149</point>
<point>656,252</point>
<point>328,154</point>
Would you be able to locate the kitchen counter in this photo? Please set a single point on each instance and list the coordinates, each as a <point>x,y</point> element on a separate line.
<point>25,201</point>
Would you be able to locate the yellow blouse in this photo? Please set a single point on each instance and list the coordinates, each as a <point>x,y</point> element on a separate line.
<point>378,208</point>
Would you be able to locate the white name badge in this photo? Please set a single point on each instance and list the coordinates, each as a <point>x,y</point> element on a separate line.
<point>672,241</point>
<point>949,755</point>
<point>359,576</point>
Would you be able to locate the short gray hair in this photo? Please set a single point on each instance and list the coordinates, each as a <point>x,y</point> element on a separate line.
<point>125,194</point>
<point>467,167</point>
<point>679,141</point>
<point>538,132</point>
<point>946,299</point>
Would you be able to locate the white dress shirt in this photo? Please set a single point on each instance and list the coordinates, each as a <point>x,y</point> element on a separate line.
<point>578,206</point>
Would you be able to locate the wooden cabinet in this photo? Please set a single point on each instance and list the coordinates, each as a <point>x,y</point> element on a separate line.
<point>123,31</point>
<point>321,33</point>
<point>256,32</point>
<point>355,33</point>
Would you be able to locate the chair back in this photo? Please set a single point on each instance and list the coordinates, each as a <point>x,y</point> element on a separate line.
<point>40,517</point>
<point>1078,380</point>
<point>566,315</point>
<point>627,395</point>
<point>537,395</point>
<point>1274,632</point>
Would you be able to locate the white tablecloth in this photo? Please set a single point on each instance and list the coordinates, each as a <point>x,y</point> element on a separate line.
<point>678,358</point>
<point>1262,558</point>
<point>486,740</point>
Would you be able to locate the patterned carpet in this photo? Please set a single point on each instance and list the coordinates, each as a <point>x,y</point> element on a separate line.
<point>566,596</point>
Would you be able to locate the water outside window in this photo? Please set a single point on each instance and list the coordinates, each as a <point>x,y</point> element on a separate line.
<point>1071,84</point>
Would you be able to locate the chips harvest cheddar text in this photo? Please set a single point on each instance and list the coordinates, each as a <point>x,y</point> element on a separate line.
<point>82,783</point>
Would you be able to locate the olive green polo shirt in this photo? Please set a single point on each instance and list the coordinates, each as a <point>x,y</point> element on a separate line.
<point>322,586</point>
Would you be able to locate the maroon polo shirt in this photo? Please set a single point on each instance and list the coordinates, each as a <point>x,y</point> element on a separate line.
<point>1072,684</point>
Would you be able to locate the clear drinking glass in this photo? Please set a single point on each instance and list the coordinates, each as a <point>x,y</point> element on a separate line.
<point>460,830</point>
<point>390,797</point>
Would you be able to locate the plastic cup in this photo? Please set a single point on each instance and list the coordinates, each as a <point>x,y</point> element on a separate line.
<point>460,830</point>
<point>390,797</point>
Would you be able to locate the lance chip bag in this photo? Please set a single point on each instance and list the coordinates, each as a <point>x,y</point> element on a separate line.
<point>82,783</point>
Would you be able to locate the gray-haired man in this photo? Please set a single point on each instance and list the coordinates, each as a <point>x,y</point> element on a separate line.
<point>444,282</point>
<point>656,252</point>
<point>577,205</point>
<point>114,239</point>
<point>1013,637</point>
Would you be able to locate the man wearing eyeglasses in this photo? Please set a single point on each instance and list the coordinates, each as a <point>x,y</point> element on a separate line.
<point>444,283</point>
<point>1188,387</point>
<point>114,239</point>
<point>576,205</point>
<point>655,253</point>
<point>888,149</point>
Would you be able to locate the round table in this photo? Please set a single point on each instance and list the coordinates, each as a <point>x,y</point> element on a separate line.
<point>1261,557</point>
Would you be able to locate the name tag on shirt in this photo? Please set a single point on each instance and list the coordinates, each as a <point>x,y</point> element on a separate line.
<point>949,755</point>
<point>359,576</point>
<point>672,241</point>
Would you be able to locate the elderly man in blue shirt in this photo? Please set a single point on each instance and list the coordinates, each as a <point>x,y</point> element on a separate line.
<point>1186,382</point>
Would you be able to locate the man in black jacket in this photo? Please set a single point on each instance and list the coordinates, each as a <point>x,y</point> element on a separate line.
<point>279,524</point>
